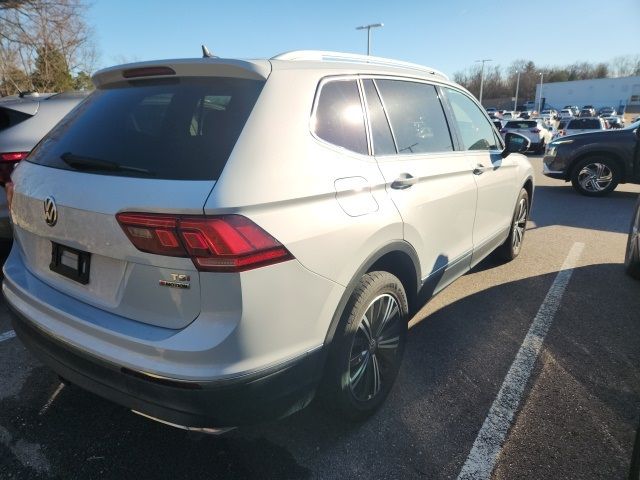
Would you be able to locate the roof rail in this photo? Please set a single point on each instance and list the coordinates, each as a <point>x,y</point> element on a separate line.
<point>327,56</point>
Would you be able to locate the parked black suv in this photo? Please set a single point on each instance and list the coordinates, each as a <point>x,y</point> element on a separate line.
<point>596,162</point>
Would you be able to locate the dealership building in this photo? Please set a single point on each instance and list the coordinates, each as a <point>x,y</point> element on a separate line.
<point>601,92</point>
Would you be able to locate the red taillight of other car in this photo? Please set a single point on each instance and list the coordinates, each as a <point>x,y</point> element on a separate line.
<point>504,130</point>
<point>535,130</point>
<point>8,161</point>
<point>225,243</point>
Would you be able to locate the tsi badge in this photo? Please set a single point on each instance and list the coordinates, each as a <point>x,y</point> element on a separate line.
<point>178,280</point>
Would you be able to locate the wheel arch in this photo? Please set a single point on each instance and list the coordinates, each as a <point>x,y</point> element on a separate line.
<point>622,168</point>
<point>398,258</point>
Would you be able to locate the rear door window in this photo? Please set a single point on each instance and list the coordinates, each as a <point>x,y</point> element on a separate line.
<point>417,117</point>
<point>383,143</point>
<point>181,129</point>
<point>339,118</point>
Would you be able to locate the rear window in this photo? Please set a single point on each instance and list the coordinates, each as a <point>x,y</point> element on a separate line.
<point>179,129</point>
<point>584,123</point>
<point>9,118</point>
<point>522,125</point>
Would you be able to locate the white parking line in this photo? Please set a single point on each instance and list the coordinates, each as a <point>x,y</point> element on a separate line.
<point>488,444</point>
<point>7,335</point>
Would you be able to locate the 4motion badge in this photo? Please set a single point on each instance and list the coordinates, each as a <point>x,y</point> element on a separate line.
<point>178,280</point>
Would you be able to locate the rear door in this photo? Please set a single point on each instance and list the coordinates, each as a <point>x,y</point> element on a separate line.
<point>431,185</point>
<point>153,146</point>
<point>495,176</point>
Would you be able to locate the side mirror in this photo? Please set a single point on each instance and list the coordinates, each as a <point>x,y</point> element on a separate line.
<point>515,143</point>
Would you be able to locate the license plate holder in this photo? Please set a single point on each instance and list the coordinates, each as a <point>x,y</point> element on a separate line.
<point>70,263</point>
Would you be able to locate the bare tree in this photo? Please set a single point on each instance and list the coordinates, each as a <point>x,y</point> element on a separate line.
<point>45,39</point>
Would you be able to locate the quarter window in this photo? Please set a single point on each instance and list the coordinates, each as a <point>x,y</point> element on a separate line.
<point>416,116</point>
<point>475,129</point>
<point>339,117</point>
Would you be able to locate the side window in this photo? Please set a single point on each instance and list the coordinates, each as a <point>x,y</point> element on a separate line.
<point>475,129</point>
<point>380,131</point>
<point>339,117</point>
<point>416,116</point>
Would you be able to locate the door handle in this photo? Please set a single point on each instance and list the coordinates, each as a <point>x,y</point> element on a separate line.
<point>479,170</point>
<point>404,181</point>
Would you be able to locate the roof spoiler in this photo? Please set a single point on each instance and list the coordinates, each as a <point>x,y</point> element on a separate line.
<point>200,67</point>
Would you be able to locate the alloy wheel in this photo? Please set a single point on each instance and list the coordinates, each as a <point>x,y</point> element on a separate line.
<point>374,348</point>
<point>595,177</point>
<point>519,224</point>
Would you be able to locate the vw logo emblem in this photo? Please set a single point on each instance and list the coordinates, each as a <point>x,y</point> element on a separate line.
<point>50,211</point>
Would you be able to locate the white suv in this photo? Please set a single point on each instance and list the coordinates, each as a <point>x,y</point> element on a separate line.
<point>208,242</point>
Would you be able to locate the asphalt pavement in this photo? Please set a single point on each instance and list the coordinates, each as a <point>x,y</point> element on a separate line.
<point>576,418</point>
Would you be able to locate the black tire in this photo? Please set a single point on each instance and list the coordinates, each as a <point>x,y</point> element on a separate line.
<point>541,147</point>
<point>349,386</point>
<point>588,180</point>
<point>632,254</point>
<point>512,246</point>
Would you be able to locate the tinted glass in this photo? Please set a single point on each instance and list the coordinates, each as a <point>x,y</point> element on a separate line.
<point>9,118</point>
<point>584,123</point>
<point>416,116</point>
<point>183,129</point>
<point>475,129</point>
<point>339,116</point>
<point>380,131</point>
<point>523,125</point>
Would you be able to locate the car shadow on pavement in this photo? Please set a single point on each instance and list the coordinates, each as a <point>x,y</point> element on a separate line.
<point>455,362</point>
<point>562,205</point>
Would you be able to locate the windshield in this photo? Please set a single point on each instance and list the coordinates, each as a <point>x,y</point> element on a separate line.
<point>183,129</point>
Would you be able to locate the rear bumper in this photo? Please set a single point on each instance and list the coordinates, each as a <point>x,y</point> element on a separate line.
<point>252,398</point>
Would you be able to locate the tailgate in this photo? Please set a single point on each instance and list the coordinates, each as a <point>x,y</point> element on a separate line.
<point>122,279</point>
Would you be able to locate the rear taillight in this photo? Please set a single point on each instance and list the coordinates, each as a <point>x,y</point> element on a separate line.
<point>504,130</point>
<point>535,130</point>
<point>8,161</point>
<point>226,243</point>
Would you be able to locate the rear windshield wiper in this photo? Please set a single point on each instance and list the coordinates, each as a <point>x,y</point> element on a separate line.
<point>80,162</point>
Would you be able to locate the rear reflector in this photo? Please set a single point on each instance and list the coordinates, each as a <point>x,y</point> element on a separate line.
<point>148,72</point>
<point>226,243</point>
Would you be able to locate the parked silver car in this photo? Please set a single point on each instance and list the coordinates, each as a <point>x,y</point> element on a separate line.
<point>535,130</point>
<point>210,241</point>
<point>24,120</point>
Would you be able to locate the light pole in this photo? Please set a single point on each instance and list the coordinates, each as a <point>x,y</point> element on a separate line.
<point>540,101</point>
<point>368,28</point>
<point>515,101</point>
<point>483,61</point>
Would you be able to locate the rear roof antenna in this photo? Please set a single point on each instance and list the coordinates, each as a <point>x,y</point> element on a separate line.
<point>206,53</point>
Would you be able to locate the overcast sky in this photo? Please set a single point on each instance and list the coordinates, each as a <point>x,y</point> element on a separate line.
<point>448,34</point>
